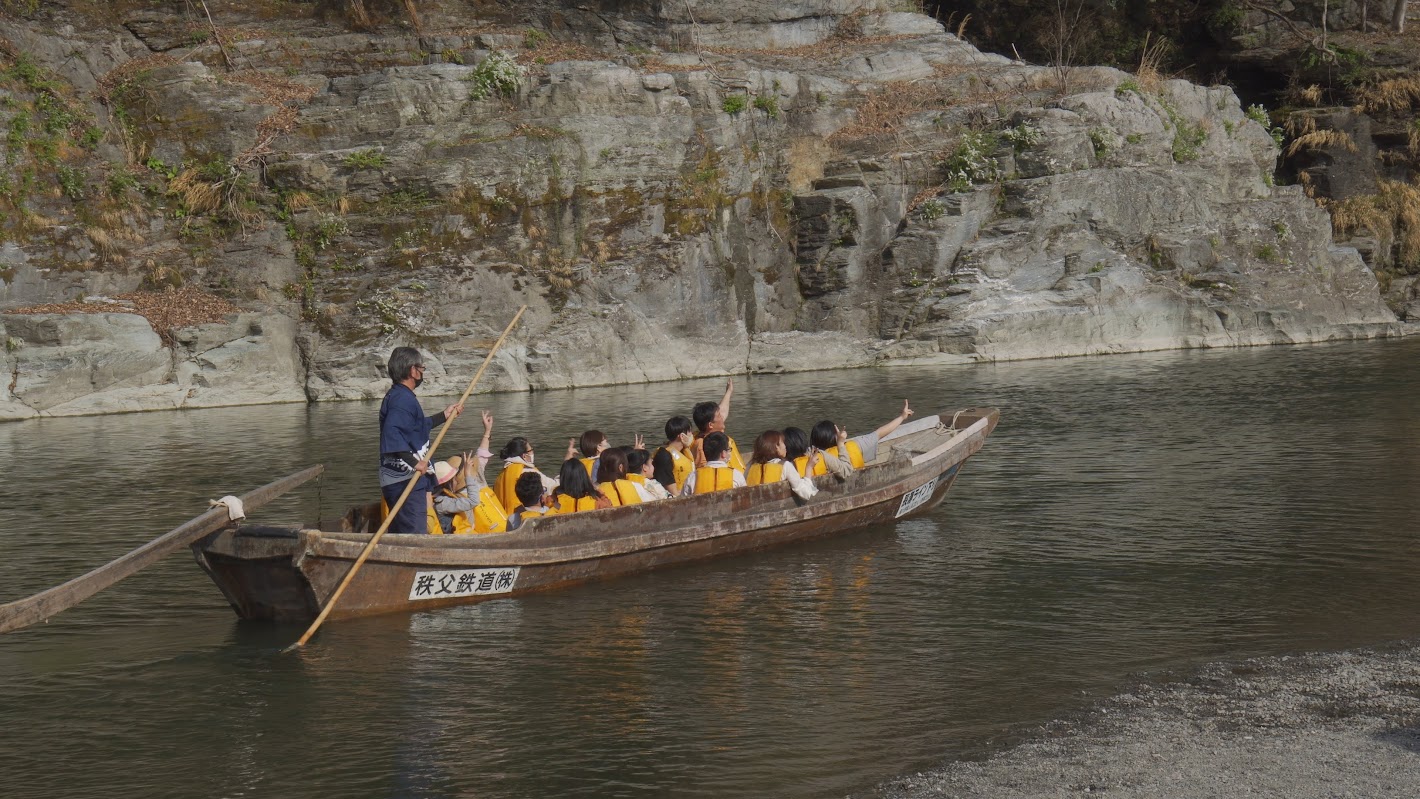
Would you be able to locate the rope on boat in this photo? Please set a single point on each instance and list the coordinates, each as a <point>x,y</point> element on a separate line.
<point>950,429</point>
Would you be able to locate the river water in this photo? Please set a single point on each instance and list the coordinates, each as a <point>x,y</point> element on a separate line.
<point>1131,514</point>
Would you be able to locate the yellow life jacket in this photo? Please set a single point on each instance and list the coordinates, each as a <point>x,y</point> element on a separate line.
<point>758,473</point>
<point>566,504</point>
<point>434,527</point>
<point>681,467</point>
<point>589,463</point>
<point>735,460</point>
<point>524,514</point>
<point>621,492</point>
<point>488,515</point>
<point>639,479</point>
<point>731,455</point>
<point>855,454</point>
<point>507,483</point>
<point>803,463</point>
<point>714,478</point>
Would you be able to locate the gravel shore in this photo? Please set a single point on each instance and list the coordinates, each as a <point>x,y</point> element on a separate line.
<point>1341,724</point>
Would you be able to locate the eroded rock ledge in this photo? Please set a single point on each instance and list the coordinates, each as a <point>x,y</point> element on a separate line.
<point>821,186</point>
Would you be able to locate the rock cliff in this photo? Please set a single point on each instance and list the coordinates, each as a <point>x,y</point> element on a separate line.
<point>681,190</point>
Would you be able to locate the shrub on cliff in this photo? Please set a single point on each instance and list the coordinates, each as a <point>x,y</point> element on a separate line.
<point>496,74</point>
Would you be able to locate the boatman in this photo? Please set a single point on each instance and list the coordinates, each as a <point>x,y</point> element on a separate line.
<point>404,442</point>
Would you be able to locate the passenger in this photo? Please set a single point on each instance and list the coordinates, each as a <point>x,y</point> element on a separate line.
<point>517,457</point>
<point>640,472</point>
<point>797,451</point>
<point>768,464</point>
<point>860,450</point>
<point>710,418</point>
<point>533,501</point>
<point>404,442</point>
<point>717,474</point>
<point>575,491</point>
<point>592,444</point>
<point>612,467</point>
<point>671,462</point>
<point>465,504</point>
<point>826,437</point>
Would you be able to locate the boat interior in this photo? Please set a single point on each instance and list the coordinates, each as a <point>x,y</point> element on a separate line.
<point>909,441</point>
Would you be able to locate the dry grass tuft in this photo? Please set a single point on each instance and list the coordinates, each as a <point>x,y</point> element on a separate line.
<point>1396,96</point>
<point>298,201</point>
<point>550,51</point>
<point>203,193</point>
<point>111,232</point>
<point>1298,125</point>
<point>105,243</point>
<point>1391,216</point>
<point>885,110</point>
<point>199,195</point>
<point>275,90</point>
<point>1320,140</point>
<point>35,221</point>
<point>1154,56</point>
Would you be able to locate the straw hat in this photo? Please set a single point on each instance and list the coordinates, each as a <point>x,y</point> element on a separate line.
<point>443,470</point>
<point>455,465</point>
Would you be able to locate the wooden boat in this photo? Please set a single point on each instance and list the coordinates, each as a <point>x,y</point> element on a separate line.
<point>289,573</point>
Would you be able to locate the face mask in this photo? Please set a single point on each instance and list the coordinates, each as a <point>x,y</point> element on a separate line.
<point>418,381</point>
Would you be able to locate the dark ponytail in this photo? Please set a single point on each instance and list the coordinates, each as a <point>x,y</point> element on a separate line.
<point>515,448</point>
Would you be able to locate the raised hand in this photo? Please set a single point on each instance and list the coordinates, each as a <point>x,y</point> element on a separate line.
<point>906,410</point>
<point>487,420</point>
<point>640,442</point>
<point>571,449</point>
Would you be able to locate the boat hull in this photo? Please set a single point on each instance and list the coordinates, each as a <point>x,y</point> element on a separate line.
<point>288,574</point>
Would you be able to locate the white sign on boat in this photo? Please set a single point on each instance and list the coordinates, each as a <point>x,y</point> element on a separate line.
<point>463,582</point>
<point>914,499</point>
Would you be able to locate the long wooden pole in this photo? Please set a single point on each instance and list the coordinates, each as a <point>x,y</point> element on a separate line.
<point>32,610</point>
<point>408,489</point>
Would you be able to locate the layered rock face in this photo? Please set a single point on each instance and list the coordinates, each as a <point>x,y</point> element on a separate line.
<point>713,189</point>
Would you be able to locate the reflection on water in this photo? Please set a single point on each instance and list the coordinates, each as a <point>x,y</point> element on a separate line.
<point>1131,513</point>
